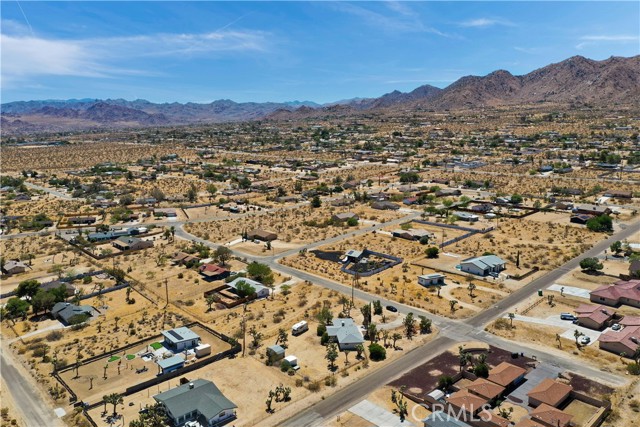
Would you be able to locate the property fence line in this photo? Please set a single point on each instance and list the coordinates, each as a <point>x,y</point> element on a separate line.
<point>64,279</point>
<point>394,261</point>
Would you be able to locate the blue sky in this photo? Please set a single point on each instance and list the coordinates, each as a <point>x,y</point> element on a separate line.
<point>282,51</point>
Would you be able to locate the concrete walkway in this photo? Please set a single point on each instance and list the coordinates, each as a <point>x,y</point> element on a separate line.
<point>377,415</point>
<point>570,290</point>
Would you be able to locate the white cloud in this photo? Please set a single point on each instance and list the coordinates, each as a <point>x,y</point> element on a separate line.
<point>485,22</point>
<point>25,56</point>
<point>591,40</point>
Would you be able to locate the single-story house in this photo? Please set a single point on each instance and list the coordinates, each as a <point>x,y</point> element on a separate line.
<point>466,401</point>
<point>621,292</point>
<point>385,206</point>
<point>626,340</point>
<point>275,353</point>
<point>592,210</point>
<point>549,392</point>
<point>442,419</point>
<point>66,312</point>
<point>345,216</point>
<point>265,236</point>
<point>483,207</point>
<point>483,265</point>
<point>261,290</point>
<point>507,375</point>
<point>171,364</point>
<point>14,267</point>
<point>486,389</point>
<point>412,234</point>
<point>81,220</point>
<point>110,235</point>
<point>580,218</point>
<point>594,316</point>
<point>618,194</point>
<point>466,216</point>
<point>353,255</point>
<point>132,244</point>
<point>213,272</point>
<point>168,212</point>
<point>551,417</point>
<point>432,279</point>
<point>70,290</point>
<point>346,333</point>
<point>492,420</point>
<point>444,192</point>
<point>184,258</point>
<point>180,339</point>
<point>286,199</point>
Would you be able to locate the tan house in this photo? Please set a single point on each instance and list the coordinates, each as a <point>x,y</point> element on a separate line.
<point>549,392</point>
<point>265,236</point>
<point>468,402</point>
<point>594,316</point>
<point>625,292</point>
<point>550,416</point>
<point>507,375</point>
<point>625,341</point>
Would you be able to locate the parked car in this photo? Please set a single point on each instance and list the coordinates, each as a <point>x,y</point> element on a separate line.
<point>392,308</point>
<point>585,340</point>
<point>616,326</point>
<point>567,316</point>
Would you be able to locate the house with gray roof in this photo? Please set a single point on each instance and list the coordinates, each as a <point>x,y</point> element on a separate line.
<point>171,364</point>
<point>68,313</point>
<point>346,333</point>
<point>442,419</point>
<point>200,401</point>
<point>180,339</point>
<point>483,265</point>
<point>14,267</point>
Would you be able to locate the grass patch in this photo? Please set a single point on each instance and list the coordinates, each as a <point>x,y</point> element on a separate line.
<point>156,346</point>
<point>130,356</point>
<point>113,359</point>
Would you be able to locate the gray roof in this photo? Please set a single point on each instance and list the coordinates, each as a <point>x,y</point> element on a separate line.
<point>66,311</point>
<point>345,331</point>
<point>484,261</point>
<point>171,361</point>
<point>180,334</point>
<point>256,285</point>
<point>441,419</point>
<point>276,349</point>
<point>204,397</point>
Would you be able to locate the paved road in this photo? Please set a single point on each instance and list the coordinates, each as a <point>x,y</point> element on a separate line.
<point>51,191</point>
<point>33,410</point>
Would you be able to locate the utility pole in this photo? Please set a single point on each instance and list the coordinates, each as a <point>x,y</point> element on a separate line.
<point>166,288</point>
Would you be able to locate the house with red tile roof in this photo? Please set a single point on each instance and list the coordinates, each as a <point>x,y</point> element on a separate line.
<point>626,340</point>
<point>486,389</point>
<point>549,392</point>
<point>506,375</point>
<point>630,321</point>
<point>528,422</point>
<point>550,416</point>
<point>490,419</point>
<point>213,272</point>
<point>623,292</point>
<point>594,316</point>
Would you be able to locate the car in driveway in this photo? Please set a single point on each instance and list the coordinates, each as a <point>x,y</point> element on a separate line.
<point>584,340</point>
<point>616,327</point>
<point>568,316</point>
<point>392,309</point>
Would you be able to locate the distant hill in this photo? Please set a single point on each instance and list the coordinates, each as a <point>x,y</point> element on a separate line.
<point>576,80</point>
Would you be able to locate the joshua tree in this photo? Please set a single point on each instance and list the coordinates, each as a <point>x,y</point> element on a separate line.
<point>511,317</point>
<point>397,398</point>
<point>116,320</point>
<point>332,355</point>
<point>471,287</point>
<point>559,340</point>
<point>359,350</point>
<point>452,305</point>
<point>577,334</point>
<point>269,400</point>
<point>463,357</point>
<point>396,337</point>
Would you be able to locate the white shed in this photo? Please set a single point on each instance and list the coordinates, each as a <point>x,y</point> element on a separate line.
<point>203,350</point>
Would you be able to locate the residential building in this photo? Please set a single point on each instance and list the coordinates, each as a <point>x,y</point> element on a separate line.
<point>412,234</point>
<point>275,353</point>
<point>594,316</point>
<point>168,212</point>
<point>261,291</point>
<point>132,244</point>
<point>68,313</point>
<point>14,267</point>
<point>199,400</point>
<point>549,392</point>
<point>623,292</point>
<point>592,210</point>
<point>442,419</point>
<point>385,206</point>
<point>466,216</point>
<point>483,265</point>
<point>626,340</point>
<point>213,272</point>
<point>433,279</point>
<point>486,389</point>
<point>467,402</point>
<point>171,364</point>
<point>345,216</point>
<point>180,339</point>
<point>265,236</point>
<point>507,375</point>
<point>346,333</point>
<point>551,417</point>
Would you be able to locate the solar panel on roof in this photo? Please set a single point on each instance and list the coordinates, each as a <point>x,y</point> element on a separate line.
<point>175,334</point>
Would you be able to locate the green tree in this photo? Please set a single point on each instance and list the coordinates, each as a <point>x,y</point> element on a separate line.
<point>425,325</point>
<point>444,382</point>
<point>377,307</point>
<point>377,352</point>
<point>114,399</point>
<point>192,193</point>
<point>516,199</point>
<point>432,252</point>
<point>316,202</point>
<point>283,337</point>
<point>17,307</point>
<point>244,289</point>
<point>616,247</point>
<point>260,272</point>
<point>154,416</point>
<point>602,223</point>
<point>409,324</point>
<point>332,355</point>
<point>28,288</point>
<point>591,265</point>
<point>222,254</point>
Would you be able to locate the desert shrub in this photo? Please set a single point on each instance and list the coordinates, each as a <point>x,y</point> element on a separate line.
<point>285,366</point>
<point>377,352</point>
<point>54,335</point>
<point>314,386</point>
<point>501,324</point>
<point>633,368</point>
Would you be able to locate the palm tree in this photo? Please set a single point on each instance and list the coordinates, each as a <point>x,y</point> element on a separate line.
<point>115,399</point>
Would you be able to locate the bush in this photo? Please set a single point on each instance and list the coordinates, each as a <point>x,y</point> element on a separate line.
<point>314,386</point>
<point>633,368</point>
<point>54,335</point>
<point>87,279</point>
<point>285,366</point>
<point>377,352</point>
<point>432,252</point>
<point>325,338</point>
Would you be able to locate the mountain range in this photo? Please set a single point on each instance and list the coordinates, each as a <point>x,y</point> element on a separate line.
<point>577,80</point>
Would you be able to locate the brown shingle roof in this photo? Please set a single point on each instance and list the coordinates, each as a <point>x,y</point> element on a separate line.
<point>494,419</point>
<point>550,392</point>
<point>505,373</point>
<point>628,337</point>
<point>596,313</point>
<point>469,402</point>
<point>485,388</point>
<point>551,416</point>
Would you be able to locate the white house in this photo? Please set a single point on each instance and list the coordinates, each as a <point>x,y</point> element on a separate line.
<point>483,265</point>
<point>433,279</point>
<point>346,333</point>
<point>180,339</point>
<point>261,290</point>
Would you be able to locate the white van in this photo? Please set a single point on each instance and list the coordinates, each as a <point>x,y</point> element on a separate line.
<point>299,328</point>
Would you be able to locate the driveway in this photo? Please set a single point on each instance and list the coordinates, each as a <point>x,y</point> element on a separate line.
<point>542,371</point>
<point>559,323</point>
<point>571,290</point>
